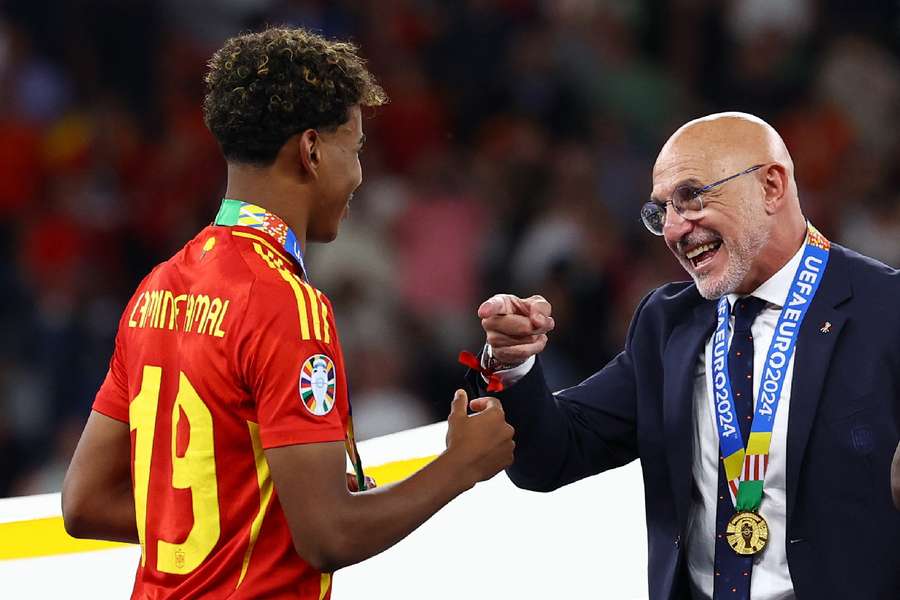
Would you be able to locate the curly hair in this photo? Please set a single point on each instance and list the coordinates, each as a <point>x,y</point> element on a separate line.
<point>264,87</point>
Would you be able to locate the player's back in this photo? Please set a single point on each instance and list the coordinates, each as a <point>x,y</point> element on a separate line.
<point>208,371</point>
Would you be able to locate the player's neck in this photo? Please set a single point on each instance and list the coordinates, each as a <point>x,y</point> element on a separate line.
<point>264,188</point>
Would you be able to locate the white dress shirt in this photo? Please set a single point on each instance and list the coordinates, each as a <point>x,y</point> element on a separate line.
<point>771,579</point>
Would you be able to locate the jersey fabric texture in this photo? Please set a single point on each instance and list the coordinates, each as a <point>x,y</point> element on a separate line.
<point>223,351</point>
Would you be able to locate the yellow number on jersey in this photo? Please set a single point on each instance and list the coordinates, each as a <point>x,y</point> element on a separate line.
<point>142,417</point>
<point>196,471</point>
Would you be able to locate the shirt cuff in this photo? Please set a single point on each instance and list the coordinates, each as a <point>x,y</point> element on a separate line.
<point>511,376</point>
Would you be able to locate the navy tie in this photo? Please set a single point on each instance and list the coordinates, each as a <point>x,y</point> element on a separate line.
<point>731,571</point>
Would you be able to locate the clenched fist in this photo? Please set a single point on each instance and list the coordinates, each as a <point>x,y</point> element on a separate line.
<point>516,328</point>
<point>482,443</point>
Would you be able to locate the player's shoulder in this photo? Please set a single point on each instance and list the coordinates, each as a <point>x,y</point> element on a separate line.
<point>201,289</point>
<point>268,263</point>
<point>279,296</point>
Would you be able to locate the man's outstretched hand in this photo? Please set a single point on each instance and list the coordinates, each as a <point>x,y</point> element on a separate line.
<point>516,328</point>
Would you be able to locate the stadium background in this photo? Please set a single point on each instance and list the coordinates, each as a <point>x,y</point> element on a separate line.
<point>514,156</point>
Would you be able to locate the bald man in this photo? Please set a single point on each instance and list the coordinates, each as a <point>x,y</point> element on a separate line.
<point>762,398</point>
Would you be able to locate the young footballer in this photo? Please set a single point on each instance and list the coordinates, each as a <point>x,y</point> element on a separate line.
<point>217,440</point>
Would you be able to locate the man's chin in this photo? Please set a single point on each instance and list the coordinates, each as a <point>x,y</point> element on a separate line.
<point>711,284</point>
<point>714,287</point>
<point>706,289</point>
<point>708,284</point>
<point>704,283</point>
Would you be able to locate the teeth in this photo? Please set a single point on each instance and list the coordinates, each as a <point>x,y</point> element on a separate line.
<point>699,250</point>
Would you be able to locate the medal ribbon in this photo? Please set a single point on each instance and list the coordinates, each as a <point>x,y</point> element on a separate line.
<point>352,451</point>
<point>237,212</point>
<point>746,470</point>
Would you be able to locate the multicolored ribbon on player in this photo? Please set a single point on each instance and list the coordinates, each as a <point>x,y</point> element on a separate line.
<point>353,452</point>
<point>237,212</point>
<point>746,470</point>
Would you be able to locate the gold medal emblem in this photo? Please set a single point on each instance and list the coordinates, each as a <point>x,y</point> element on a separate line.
<point>747,533</point>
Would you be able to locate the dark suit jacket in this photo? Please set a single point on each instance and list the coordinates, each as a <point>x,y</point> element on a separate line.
<point>843,533</point>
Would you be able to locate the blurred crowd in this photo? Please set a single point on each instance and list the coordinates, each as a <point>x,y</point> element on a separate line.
<point>514,156</point>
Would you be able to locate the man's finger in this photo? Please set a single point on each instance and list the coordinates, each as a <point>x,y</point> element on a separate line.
<point>499,340</point>
<point>458,406</point>
<point>514,325</point>
<point>541,323</point>
<point>514,355</point>
<point>539,304</point>
<point>540,311</point>
<point>501,304</point>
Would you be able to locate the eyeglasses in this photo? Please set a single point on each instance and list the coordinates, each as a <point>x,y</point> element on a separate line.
<point>687,201</point>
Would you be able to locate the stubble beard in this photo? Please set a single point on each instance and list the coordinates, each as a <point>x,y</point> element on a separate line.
<point>741,254</point>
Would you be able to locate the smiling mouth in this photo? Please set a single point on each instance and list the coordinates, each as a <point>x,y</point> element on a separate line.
<point>701,255</point>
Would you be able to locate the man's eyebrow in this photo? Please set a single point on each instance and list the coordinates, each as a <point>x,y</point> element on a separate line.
<point>692,182</point>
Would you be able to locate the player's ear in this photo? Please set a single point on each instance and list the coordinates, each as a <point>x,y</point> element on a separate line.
<point>309,152</point>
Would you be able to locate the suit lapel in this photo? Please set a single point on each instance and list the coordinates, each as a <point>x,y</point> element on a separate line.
<point>816,341</point>
<point>679,369</point>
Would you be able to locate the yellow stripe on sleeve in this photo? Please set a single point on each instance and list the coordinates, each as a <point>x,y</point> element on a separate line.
<point>313,308</point>
<point>316,315</point>
<point>301,303</point>
<point>325,327</point>
<point>265,495</point>
<point>295,286</point>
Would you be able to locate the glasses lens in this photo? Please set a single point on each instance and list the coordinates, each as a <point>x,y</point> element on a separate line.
<point>685,199</point>
<point>654,217</point>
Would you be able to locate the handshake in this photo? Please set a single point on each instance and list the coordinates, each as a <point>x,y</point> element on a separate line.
<point>516,330</point>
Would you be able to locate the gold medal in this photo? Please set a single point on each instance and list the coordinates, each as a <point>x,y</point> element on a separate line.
<point>747,533</point>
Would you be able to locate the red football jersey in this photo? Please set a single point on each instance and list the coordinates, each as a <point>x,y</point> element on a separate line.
<point>223,351</point>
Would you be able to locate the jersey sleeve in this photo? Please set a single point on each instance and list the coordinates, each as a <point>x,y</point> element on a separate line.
<point>289,359</point>
<point>112,398</point>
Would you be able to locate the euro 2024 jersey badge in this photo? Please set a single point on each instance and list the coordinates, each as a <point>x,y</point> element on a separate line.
<point>317,384</point>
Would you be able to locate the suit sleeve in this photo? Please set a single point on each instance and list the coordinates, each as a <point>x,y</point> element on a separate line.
<point>576,432</point>
<point>282,362</point>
